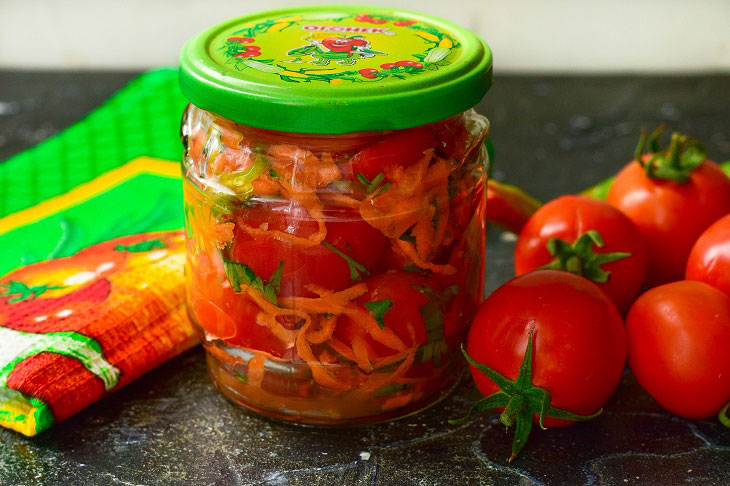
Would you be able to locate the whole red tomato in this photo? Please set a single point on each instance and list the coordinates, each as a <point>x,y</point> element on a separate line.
<point>226,315</point>
<point>709,260</point>
<point>350,250</point>
<point>678,335</point>
<point>672,196</point>
<point>618,266</point>
<point>402,148</point>
<point>577,349</point>
<point>400,312</point>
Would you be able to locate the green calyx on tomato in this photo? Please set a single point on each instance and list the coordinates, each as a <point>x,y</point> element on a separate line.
<point>357,270</point>
<point>23,292</point>
<point>378,309</point>
<point>519,399</point>
<point>723,417</point>
<point>240,274</point>
<point>677,162</point>
<point>433,320</point>
<point>579,257</point>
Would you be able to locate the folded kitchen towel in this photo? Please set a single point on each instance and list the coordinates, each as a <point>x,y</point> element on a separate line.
<point>74,329</point>
<point>85,322</point>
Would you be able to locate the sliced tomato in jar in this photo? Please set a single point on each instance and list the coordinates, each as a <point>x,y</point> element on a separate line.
<point>395,300</point>
<point>402,148</point>
<point>226,315</point>
<point>452,137</point>
<point>352,235</point>
<point>349,251</point>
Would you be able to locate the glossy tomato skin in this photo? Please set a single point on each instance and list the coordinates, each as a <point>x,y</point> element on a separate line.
<point>402,148</point>
<point>579,340</point>
<point>226,315</point>
<point>709,260</point>
<point>304,265</point>
<point>569,217</point>
<point>671,216</point>
<point>405,313</point>
<point>678,335</point>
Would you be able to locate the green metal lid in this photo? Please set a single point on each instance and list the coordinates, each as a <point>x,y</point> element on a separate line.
<point>334,70</point>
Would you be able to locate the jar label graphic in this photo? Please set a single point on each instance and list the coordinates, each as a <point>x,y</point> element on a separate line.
<point>334,49</point>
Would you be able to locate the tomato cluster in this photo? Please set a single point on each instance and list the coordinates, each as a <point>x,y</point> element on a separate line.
<point>582,263</point>
<point>241,40</point>
<point>369,73</point>
<point>248,51</point>
<point>393,65</point>
<point>368,19</point>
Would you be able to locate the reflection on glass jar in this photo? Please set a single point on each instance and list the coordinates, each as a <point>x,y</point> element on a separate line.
<point>334,277</point>
<point>333,273</point>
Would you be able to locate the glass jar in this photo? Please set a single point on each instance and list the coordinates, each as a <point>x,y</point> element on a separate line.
<point>335,217</point>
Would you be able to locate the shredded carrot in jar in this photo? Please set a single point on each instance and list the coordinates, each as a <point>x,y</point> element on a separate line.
<point>366,321</point>
<point>342,349</point>
<point>333,303</point>
<point>379,380</point>
<point>319,371</point>
<point>360,351</point>
<point>265,186</point>
<point>334,338</point>
<point>424,234</point>
<point>255,370</point>
<point>392,215</point>
<point>409,181</point>
<point>323,332</point>
<point>397,401</point>
<point>279,235</point>
<point>223,233</point>
<point>411,253</point>
<point>300,166</point>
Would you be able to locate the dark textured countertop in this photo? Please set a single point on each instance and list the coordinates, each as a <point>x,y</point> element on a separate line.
<point>554,135</point>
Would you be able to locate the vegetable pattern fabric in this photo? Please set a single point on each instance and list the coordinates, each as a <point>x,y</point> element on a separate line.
<point>333,276</point>
<point>74,329</point>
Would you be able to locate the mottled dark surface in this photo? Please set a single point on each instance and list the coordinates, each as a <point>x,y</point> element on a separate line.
<point>554,135</point>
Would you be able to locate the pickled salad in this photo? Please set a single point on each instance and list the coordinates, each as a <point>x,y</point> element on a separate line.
<point>333,277</point>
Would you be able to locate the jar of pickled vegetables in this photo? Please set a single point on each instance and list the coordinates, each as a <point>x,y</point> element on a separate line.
<point>334,201</point>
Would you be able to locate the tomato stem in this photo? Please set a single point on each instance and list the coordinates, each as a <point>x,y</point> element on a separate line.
<point>676,163</point>
<point>723,416</point>
<point>580,259</point>
<point>520,400</point>
<point>515,405</point>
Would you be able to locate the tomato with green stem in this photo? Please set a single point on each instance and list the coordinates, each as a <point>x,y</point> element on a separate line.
<point>589,238</point>
<point>672,196</point>
<point>677,336</point>
<point>548,347</point>
<point>709,260</point>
